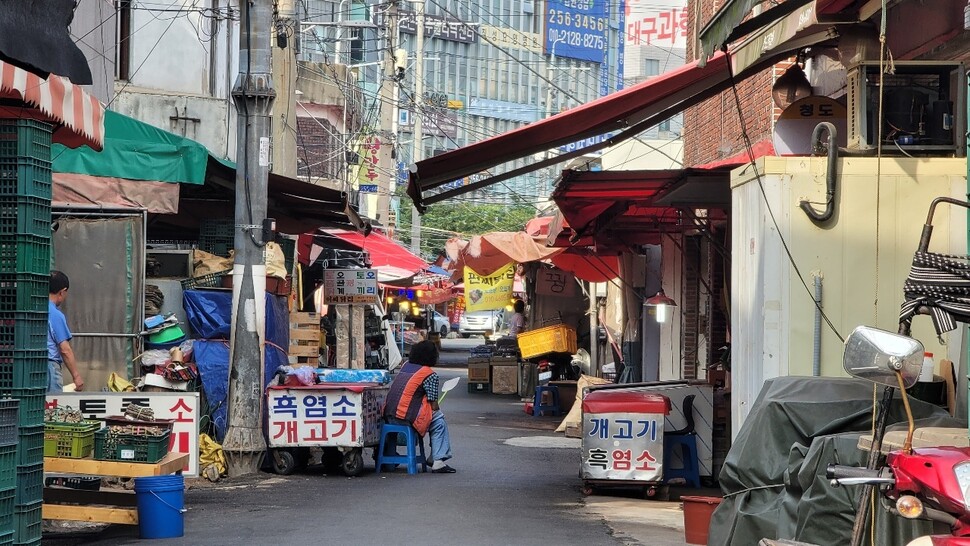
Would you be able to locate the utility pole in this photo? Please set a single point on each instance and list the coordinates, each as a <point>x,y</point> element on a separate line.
<point>253,95</point>
<point>417,145</point>
<point>387,98</point>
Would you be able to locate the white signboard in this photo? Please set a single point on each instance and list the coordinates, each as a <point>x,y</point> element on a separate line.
<point>181,407</point>
<point>623,446</point>
<point>349,286</point>
<point>325,415</point>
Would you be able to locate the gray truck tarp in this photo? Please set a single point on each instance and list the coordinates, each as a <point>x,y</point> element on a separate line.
<point>773,478</point>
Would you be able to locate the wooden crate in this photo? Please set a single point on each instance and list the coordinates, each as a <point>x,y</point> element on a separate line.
<point>304,349</point>
<point>478,370</point>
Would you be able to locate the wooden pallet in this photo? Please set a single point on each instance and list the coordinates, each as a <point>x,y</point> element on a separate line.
<point>304,349</point>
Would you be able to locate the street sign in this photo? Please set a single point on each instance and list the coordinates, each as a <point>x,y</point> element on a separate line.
<point>349,286</point>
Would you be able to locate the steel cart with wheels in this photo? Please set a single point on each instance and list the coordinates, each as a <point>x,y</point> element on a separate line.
<point>623,440</point>
<point>340,418</point>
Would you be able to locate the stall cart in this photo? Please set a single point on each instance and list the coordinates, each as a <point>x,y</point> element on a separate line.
<point>623,440</point>
<point>340,418</point>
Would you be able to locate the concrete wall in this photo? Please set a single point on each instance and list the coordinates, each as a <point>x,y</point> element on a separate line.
<point>771,311</point>
<point>94,32</point>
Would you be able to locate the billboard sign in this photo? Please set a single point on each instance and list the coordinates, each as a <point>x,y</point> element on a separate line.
<point>577,29</point>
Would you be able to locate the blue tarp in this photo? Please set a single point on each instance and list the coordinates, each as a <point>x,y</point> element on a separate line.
<point>209,315</point>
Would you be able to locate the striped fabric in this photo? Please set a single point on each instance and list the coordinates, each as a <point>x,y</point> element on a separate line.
<point>59,99</point>
<point>940,283</point>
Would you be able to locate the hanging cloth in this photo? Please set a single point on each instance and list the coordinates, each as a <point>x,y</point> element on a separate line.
<point>941,283</point>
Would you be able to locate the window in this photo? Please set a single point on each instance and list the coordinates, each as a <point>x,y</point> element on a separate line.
<point>664,125</point>
<point>124,40</point>
<point>651,67</point>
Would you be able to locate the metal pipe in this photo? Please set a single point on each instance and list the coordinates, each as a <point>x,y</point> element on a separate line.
<point>830,174</point>
<point>817,345</point>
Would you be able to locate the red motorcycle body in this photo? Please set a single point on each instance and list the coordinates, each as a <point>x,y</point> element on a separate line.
<point>929,474</point>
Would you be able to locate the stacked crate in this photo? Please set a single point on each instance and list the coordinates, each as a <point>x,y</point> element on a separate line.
<point>304,348</point>
<point>8,467</point>
<point>25,256</point>
<point>217,236</point>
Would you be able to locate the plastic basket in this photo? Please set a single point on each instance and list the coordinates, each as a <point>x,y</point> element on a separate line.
<point>205,281</point>
<point>25,138</point>
<point>551,339</point>
<point>30,446</point>
<point>70,440</point>
<point>30,412</point>
<point>25,177</point>
<point>6,514</point>
<point>8,467</point>
<point>217,235</point>
<point>8,423</point>
<point>131,448</point>
<point>23,369</point>
<point>25,254</point>
<point>30,483</point>
<point>25,292</point>
<point>23,330</point>
<point>28,523</point>
<point>25,216</point>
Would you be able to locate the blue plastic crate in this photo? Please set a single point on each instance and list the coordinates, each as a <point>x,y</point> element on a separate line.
<point>6,514</point>
<point>8,423</point>
<point>30,412</point>
<point>28,523</point>
<point>8,467</point>
<point>30,484</point>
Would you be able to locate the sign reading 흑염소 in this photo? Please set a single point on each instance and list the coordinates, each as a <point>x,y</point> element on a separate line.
<point>180,407</point>
<point>623,446</point>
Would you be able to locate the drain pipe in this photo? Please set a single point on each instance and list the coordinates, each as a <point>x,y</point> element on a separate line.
<point>817,345</point>
<point>830,174</point>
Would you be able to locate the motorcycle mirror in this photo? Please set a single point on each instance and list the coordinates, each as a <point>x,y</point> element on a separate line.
<point>876,355</point>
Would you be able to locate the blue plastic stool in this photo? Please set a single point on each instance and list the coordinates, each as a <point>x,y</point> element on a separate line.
<point>688,455</point>
<point>412,440</point>
<point>538,407</point>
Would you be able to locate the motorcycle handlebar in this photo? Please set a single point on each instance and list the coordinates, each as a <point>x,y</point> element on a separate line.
<point>837,472</point>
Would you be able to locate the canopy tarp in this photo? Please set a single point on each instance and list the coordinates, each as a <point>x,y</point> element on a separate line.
<point>486,254</point>
<point>135,150</point>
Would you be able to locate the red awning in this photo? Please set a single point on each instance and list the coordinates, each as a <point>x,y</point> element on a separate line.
<point>59,101</point>
<point>385,254</point>
<point>635,207</point>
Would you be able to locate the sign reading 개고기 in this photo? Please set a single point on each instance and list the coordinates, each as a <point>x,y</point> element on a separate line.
<point>623,446</point>
<point>349,286</point>
<point>180,407</point>
<point>325,417</point>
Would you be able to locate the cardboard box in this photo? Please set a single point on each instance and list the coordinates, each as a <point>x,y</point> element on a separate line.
<point>505,379</point>
<point>478,370</point>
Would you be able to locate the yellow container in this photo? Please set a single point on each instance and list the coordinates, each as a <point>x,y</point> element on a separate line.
<point>551,339</point>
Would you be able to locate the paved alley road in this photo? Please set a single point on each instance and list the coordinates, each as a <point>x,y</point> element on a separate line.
<point>502,494</point>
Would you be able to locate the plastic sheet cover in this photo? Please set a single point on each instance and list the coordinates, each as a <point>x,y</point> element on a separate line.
<point>774,483</point>
<point>209,314</point>
<point>212,360</point>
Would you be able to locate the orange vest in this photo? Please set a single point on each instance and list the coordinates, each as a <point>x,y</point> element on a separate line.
<point>407,400</point>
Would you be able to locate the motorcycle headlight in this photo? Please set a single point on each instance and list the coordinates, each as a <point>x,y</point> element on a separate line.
<point>962,472</point>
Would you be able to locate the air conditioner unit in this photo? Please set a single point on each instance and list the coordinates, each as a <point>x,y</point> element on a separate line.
<point>923,108</point>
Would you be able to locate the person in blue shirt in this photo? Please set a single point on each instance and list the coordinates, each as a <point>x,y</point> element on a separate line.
<point>59,352</point>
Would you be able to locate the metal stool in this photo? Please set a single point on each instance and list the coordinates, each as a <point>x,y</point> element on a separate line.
<point>686,439</point>
<point>538,407</point>
<point>412,441</point>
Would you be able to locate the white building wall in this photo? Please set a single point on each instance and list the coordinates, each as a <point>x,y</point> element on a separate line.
<point>863,258</point>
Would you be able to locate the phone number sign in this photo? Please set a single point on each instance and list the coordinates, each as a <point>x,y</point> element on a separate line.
<point>349,286</point>
<point>182,408</point>
<point>577,29</point>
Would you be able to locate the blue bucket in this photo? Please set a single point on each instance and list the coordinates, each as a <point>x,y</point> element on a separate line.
<point>161,506</point>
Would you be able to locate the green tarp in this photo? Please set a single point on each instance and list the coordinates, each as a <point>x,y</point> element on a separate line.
<point>136,151</point>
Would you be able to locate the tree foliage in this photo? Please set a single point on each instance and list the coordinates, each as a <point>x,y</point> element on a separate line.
<point>459,218</point>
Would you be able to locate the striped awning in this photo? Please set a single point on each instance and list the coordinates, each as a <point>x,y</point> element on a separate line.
<point>59,101</point>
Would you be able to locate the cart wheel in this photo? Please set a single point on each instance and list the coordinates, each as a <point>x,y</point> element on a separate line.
<point>353,462</point>
<point>587,489</point>
<point>649,492</point>
<point>659,493</point>
<point>284,462</point>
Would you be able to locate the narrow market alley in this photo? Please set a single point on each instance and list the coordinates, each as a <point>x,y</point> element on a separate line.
<point>517,483</point>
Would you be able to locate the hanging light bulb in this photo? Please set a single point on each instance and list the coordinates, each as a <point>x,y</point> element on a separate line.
<point>660,302</point>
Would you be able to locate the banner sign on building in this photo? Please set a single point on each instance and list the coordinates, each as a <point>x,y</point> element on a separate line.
<point>488,292</point>
<point>180,407</point>
<point>434,121</point>
<point>436,26</point>
<point>507,38</point>
<point>586,142</point>
<point>647,26</point>
<point>349,286</point>
<point>370,146</point>
<point>577,29</point>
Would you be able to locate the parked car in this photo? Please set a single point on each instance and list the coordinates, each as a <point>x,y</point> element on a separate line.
<point>479,322</point>
<point>440,323</point>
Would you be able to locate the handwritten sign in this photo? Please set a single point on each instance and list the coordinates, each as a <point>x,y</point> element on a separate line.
<point>181,407</point>
<point>328,416</point>
<point>555,282</point>
<point>349,286</point>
